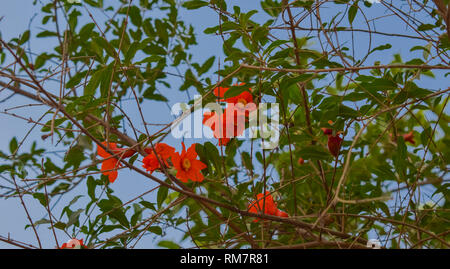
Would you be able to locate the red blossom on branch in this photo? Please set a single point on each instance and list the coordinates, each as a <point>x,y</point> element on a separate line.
<point>162,151</point>
<point>73,244</point>
<point>230,124</point>
<point>111,164</point>
<point>409,137</point>
<point>334,140</point>
<point>266,202</point>
<point>187,165</point>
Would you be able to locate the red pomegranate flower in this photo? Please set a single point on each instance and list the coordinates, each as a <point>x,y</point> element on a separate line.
<point>230,124</point>
<point>243,98</point>
<point>110,165</point>
<point>270,207</point>
<point>163,151</point>
<point>73,244</point>
<point>409,137</point>
<point>334,141</point>
<point>334,144</point>
<point>187,165</point>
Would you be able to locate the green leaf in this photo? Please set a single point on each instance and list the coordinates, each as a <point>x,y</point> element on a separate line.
<point>25,37</point>
<point>352,12</point>
<point>91,185</point>
<point>60,225</point>
<point>74,157</point>
<point>274,45</point>
<point>94,82</point>
<point>113,206</point>
<point>168,244</point>
<point>206,65</point>
<point>314,152</point>
<point>195,4</point>
<point>105,82</point>
<point>86,31</point>
<point>246,161</point>
<point>46,34</point>
<point>148,205</point>
<point>383,171</point>
<point>235,91</point>
<point>135,16</point>
<point>13,145</point>
<point>41,197</point>
<point>149,94</point>
<point>399,159</point>
<point>75,80</point>
<point>162,195</point>
<point>213,155</point>
<point>211,30</point>
<point>382,47</point>
<point>105,45</point>
<point>74,217</point>
<point>425,27</point>
<point>156,230</point>
<point>347,112</point>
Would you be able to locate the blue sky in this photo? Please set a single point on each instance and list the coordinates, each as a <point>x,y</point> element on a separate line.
<point>16,19</point>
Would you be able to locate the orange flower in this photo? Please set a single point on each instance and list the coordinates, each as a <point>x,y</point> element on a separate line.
<point>270,207</point>
<point>243,98</point>
<point>73,244</point>
<point>187,165</point>
<point>163,151</point>
<point>301,161</point>
<point>210,119</point>
<point>110,165</point>
<point>282,214</point>
<point>409,137</point>
<point>220,91</point>
<point>230,124</point>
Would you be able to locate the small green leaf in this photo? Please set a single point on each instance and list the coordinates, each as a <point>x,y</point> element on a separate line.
<point>13,145</point>
<point>25,37</point>
<point>156,230</point>
<point>195,4</point>
<point>425,27</point>
<point>94,82</point>
<point>382,47</point>
<point>41,197</point>
<point>91,184</point>
<point>313,152</point>
<point>235,91</point>
<point>74,217</point>
<point>60,225</point>
<point>352,12</point>
<point>162,195</point>
<point>168,244</point>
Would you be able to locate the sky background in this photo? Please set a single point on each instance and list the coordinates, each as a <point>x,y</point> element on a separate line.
<point>16,19</point>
